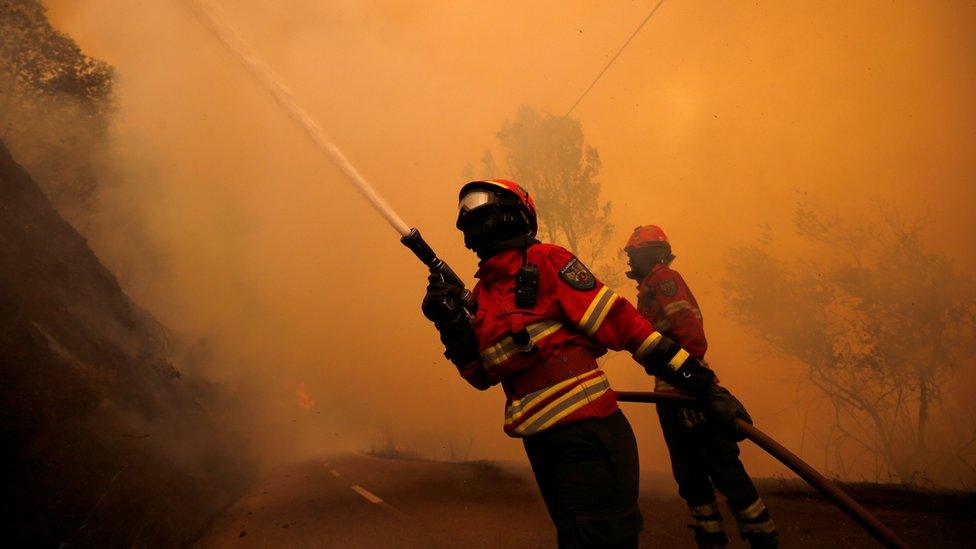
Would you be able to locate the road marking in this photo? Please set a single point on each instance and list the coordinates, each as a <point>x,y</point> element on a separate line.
<point>396,512</point>
<point>371,497</point>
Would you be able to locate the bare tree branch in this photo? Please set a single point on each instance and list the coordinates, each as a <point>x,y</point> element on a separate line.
<point>878,327</point>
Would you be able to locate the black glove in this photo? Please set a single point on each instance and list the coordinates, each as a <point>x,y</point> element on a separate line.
<point>723,409</point>
<point>692,376</point>
<point>692,417</point>
<point>443,301</point>
<point>444,305</point>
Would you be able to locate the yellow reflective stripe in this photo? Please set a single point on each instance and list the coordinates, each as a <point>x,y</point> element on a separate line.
<point>500,353</point>
<point>597,311</point>
<point>703,510</point>
<point>672,307</point>
<point>516,408</point>
<point>501,350</point>
<point>678,359</point>
<point>544,331</point>
<point>506,348</point>
<point>752,511</point>
<point>574,400</point>
<point>710,526</point>
<point>648,344</point>
<point>603,314</point>
<point>589,310</point>
<point>564,405</point>
<point>491,354</point>
<point>764,527</point>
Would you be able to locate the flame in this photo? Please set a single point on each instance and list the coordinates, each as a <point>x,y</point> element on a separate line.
<point>305,402</point>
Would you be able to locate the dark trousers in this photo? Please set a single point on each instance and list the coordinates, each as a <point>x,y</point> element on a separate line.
<point>702,456</point>
<point>588,472</point>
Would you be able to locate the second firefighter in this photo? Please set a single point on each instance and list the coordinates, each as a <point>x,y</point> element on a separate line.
<point>703,449</point>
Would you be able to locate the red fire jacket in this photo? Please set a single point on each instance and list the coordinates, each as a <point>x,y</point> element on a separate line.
<point>544,355</point>
<point>665,300</point>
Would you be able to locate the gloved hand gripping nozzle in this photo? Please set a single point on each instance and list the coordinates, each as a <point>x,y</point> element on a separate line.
<point>438,267</point>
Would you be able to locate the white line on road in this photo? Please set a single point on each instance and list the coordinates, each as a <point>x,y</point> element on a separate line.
<point>371,497</point>
<point>396,512</point>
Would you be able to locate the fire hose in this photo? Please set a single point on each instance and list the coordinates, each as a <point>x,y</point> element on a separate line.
<point>208,14</point>
<point>822,484</point>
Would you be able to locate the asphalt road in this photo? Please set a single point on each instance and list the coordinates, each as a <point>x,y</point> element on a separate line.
<point>356,500</point>
<point>363,501</point>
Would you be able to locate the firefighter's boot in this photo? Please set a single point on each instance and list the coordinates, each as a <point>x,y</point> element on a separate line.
<point>756,527</point>
<point>709,540</point>
<point>708,527</point>
<point>762,541</point>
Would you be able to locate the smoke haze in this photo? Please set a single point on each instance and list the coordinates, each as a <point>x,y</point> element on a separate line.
<point>226,223</point>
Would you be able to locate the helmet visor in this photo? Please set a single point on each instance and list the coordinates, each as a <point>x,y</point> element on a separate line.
<point>475,199</point>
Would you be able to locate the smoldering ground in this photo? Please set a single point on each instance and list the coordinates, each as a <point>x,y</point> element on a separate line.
<point>713,124</point>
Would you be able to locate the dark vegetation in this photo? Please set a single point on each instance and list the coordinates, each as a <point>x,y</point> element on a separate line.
<point>883,326</point>
<point>55,107</point>
<point>105,442</point>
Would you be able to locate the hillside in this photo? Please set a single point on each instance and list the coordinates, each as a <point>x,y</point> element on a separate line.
<point>104,439</point>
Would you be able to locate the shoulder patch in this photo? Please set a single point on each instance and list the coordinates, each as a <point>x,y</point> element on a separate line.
<point>668,287</point>
<point>577,275</point>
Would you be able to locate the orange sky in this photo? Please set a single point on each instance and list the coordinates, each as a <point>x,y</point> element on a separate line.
<point>714,122</point>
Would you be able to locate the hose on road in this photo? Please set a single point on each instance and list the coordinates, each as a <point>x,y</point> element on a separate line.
<point>853,509</point>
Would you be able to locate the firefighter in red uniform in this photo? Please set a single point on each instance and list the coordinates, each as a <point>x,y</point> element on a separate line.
<point>703,451</point>
<point>538,321</point>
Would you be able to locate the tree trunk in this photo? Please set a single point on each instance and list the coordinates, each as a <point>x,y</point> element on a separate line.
<point>904,475</point>
<point>923,409</point>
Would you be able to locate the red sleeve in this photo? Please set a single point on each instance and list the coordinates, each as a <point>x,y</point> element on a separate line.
<point>476,375</point>
<point>596,310</point>
<point>679,306</point>
<point>474,372</point>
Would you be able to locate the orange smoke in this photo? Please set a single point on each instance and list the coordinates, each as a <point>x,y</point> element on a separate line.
<point>711,124</point>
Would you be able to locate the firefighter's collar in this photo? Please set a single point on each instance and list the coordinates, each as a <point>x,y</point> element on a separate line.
<point>658,267</point>
<point>501,265</point>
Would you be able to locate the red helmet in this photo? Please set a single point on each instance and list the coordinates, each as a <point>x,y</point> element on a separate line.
<point>481,193</point>
<point>646,236</point>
